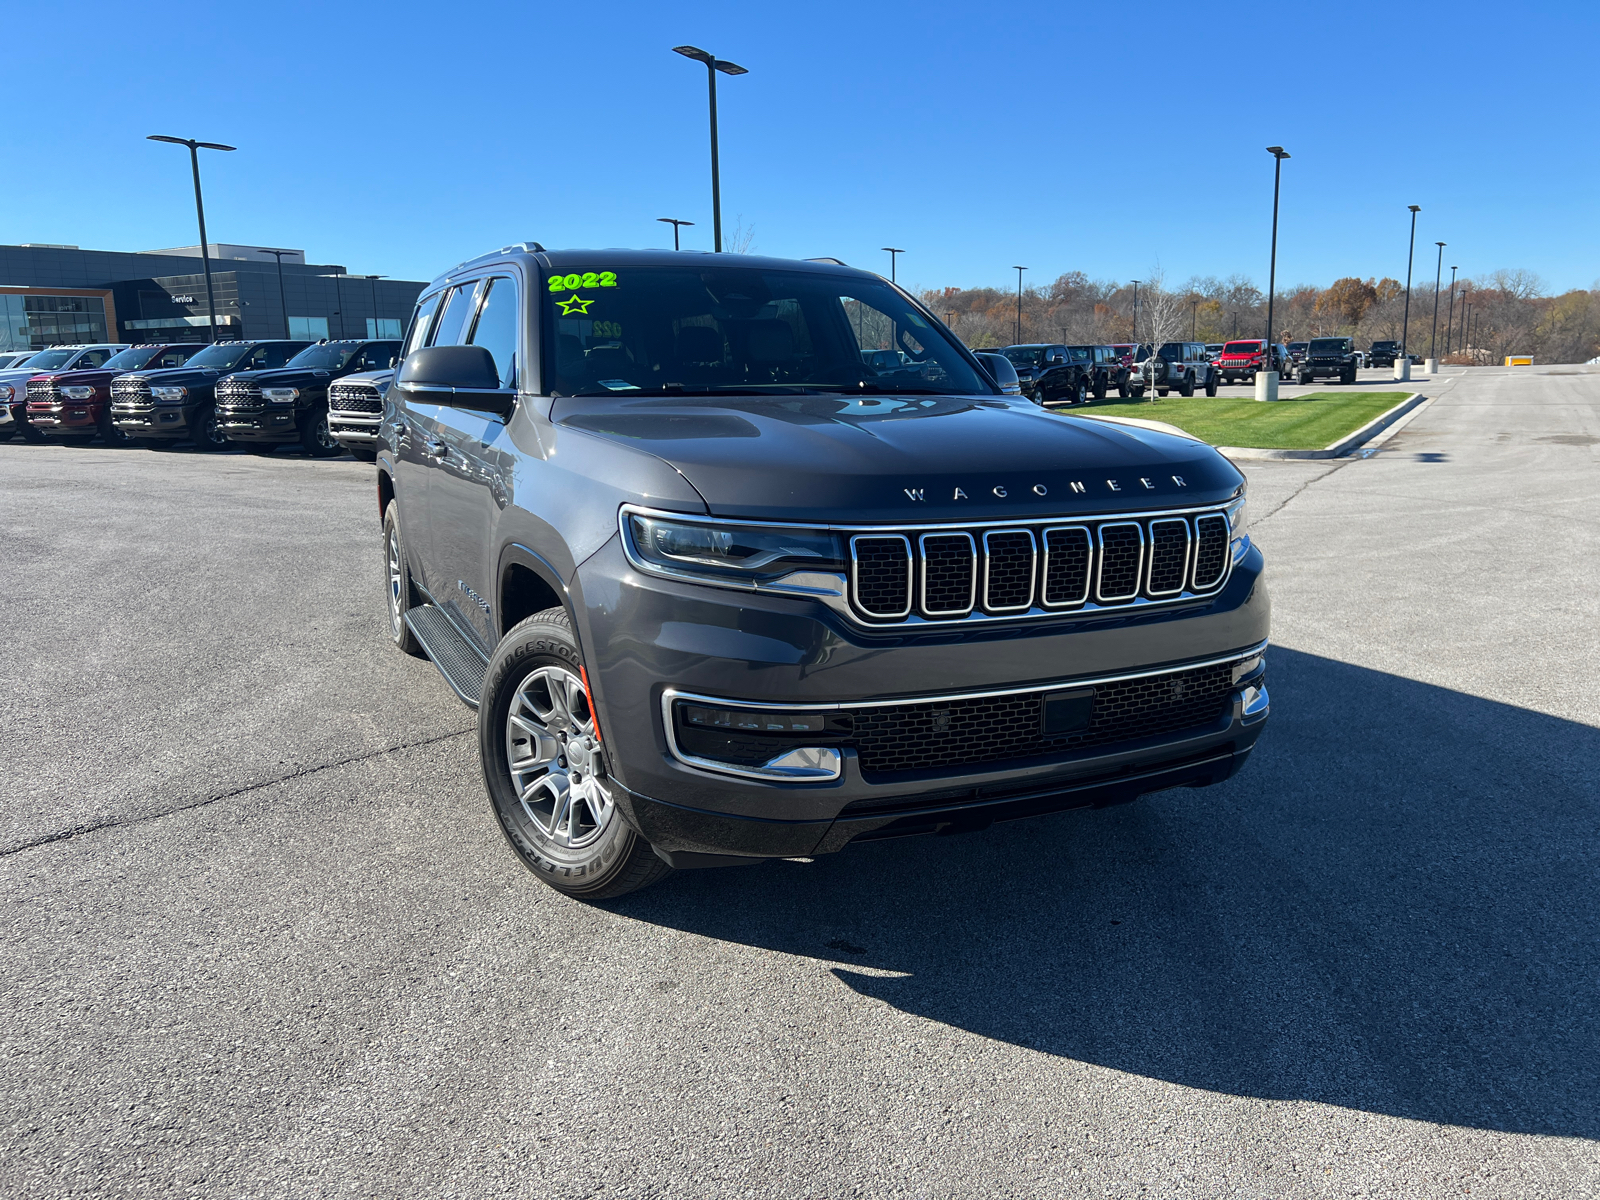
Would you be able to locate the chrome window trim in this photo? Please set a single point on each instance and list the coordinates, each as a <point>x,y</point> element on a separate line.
<point>1150,559</point>
<point>972,590</point>
<point>1033,569</point>
<point>1100,562</point>
<point>1088,572</point>
<point>855,575</point>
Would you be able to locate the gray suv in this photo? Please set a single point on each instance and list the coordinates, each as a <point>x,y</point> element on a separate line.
<point>723,590</point>
<point>1183,367</point>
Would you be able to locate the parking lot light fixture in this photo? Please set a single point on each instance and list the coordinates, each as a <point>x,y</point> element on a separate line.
<point>894,255</point>
<point>1403,367</point>
<point>1433,342</point>
<point>1019,271</point>
<point>283,300</point>
<point>713,65</point>
<point>1267,381</point>
<point>200,211</point>
<point>1450,316</point>
<point>674,222</point>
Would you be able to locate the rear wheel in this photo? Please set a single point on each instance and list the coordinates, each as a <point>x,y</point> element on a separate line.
<point>545,767</point>
<point>1101,386</point>
<point>1162,391</point>
<point>1186,388</point>
<point>1211,383</point>
<point>1081,396</point>
<point>1138,393</point>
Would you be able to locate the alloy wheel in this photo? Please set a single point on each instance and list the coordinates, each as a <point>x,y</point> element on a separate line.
<point>396,580</point>
<point>553,754</point>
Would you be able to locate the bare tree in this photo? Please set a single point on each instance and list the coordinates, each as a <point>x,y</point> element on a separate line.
<point>742,240</point>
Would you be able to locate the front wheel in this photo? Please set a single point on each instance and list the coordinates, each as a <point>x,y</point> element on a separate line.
<point>1304,379</point>
<point>1138,393</point>
<point>1161,391</point>
<point>1211,384</point>
<point>401,592</point>
<point>1122,391</point>
<point>203,430</point>
<point>1101,386</point>
<point>110,434</point>
<point>315,439</point>
<point>545,767</point>
<point>1186,388</point>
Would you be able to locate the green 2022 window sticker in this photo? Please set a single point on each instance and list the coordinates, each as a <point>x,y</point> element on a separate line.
<point>582,279</point>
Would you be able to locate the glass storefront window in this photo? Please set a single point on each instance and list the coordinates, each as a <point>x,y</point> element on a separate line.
<point>34,322</point>
<point>384,327</point>
<point>309,329</point>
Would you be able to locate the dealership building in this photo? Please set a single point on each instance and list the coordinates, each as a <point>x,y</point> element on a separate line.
<point>51,295</point>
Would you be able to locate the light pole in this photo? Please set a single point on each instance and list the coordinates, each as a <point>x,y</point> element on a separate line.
<point>373,280</point>
<point>1433,342</point>
<point>894,256</point>
<point>1450,318</point>
<point>1019,271</point>
<point>1135,319</point>
<point>283,301</point>
<point>200,211</point>
<point>1403,371</point>
<point>713,65</point>
<point>674,222</point>
<point>1194,320</point>
<point>1267,381</point>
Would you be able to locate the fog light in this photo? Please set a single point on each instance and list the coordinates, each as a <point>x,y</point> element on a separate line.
<point>759,743</point>
<point>1256,704</point>
<point>752,720</point>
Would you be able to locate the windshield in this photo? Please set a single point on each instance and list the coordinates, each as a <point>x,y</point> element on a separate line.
<point>131,359</point>
<point>1243,348</point>
<point>1328,345</point>
<point>1023,356</point>
<point>330,356</point>
<point>693,329</point>
<point>47,360</point>
<point>224,356</point>
<point>1384,345</point>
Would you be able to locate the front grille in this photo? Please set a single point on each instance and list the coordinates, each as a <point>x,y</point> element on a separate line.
<point>238,393</point>
<point>947,574</point>
<point>130,393</point>
<point>894,738</point>
<point>358,398</point>
<point>43,390</point>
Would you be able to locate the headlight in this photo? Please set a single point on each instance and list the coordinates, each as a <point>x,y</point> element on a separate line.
<point>1238,519</point>
<point>78,392</point>
<point>280,395</point>
<point>742,555</point>
<point>169,395</point>
<point>6,391</point>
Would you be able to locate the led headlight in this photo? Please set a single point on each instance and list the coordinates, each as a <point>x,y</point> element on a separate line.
<point>169,395</point>
<point>78,392</point>
<point>742,555</point>
<point>1238,519</point>
<point>280,395</point>
<point>6,391</point>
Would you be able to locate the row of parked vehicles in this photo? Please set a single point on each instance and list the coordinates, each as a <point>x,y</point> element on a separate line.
<point>325,397</point>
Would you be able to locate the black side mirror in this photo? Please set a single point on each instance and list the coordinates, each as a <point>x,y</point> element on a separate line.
<point>460,376</point>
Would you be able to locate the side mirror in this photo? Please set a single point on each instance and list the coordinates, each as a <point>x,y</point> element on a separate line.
<point>1057,360</point>
<point>460,376</point>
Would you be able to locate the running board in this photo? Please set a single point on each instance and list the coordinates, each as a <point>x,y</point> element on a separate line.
<point>460,662</point>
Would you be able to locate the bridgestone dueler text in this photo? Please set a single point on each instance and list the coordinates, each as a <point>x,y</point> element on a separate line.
<point>611,860</point>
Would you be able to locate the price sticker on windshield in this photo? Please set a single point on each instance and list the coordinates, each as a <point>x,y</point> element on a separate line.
<point>582,279</point>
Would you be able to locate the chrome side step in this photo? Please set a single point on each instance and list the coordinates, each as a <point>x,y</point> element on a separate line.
<point>460,662</point>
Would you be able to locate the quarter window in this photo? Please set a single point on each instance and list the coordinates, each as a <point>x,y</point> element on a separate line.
<point>496,330</point>
<point>421,320</point>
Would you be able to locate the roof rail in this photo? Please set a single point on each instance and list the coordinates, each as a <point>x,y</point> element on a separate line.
<point>838,262</point>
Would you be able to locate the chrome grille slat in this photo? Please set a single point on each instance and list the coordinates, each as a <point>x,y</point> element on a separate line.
<point>1034,567</point>
<point>43,389</point>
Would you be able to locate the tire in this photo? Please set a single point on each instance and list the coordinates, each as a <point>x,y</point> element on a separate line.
<point>1138,393</point>
<point>1186,388</point>
<point>315,439</point>
<point>363,454</point>
<point>1304,379</point>
<point>1102,385</point>
<point>1211,384</point>
<point>399,592</point>
<point>203,431</point>
<point>1348,377</point>
<point>1162,391</point>
<point>1081,396</point>
<point>534,710</point>
<point>111,435</point>
<point>1122,391</point>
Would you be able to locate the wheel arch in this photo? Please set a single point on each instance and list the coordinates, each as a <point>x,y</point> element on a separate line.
<point>526,583</point>
<point>385,492</point>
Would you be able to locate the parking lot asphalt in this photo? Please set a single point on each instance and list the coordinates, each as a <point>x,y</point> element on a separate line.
<point>262,938</point>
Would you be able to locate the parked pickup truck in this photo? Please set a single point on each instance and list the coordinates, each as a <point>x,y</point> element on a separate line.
<point>719,597</point>
<point>1383,354</point>
<point>1107,369</point>
<point>177,403</point>
<point>355,407</point>
<point>265,409</point>
<point>54,360</point>
<point>1329,358</point>
<point>76,403</point>
<point>1051,373</point>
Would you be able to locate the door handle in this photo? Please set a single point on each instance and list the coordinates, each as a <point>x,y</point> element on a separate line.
<point>399,428</point>
<point>435,449</point>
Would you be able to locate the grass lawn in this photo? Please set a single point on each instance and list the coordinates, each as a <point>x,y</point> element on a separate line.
<point>1307,422</point>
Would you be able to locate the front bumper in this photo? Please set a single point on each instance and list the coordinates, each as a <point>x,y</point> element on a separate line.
<point>353,429</point>
<point>272,425</point>
<point>645,636</point>
<point>153,421</point>
<point>64,417</point>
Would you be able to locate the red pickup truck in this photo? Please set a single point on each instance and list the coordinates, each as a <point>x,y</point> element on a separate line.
<point>77,404</point>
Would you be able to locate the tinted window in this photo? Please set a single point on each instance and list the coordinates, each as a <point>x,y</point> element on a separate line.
<point>92,358</point>
<point>1329,345</point>
<point>174,356</point>
<point>378,356</point>
<point>496,330</point>
<point>330,356</point>
<point>1172,351</point>
<point>1023,356</point>
<point>421,321</point>
<point>132,358</point>
<point>452,327</point>
<point>270,355</point>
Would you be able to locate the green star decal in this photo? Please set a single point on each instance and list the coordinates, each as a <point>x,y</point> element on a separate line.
<point>575,304</point>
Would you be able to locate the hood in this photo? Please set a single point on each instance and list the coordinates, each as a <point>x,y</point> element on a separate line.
<point>179,376</point>
<point>286,376</point>
<point>377,378</point>
<point>95,378</point>
<point>906,459</point>
<point>14,376</point>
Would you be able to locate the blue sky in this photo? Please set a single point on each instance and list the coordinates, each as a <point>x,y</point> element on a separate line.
<point>401,138</point>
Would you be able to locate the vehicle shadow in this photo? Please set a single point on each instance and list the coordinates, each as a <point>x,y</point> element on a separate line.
<point>1392,909</point>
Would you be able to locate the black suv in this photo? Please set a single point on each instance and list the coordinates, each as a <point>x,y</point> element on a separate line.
<point>1383,354</point>
<point>721,591</point>
<point>179,402</point>
<point>1052,373</point>
<point>1329,358</point>
<point>265,409</point>
<point>1106,369</point>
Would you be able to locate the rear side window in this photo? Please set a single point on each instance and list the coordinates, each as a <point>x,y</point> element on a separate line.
<point>274,354</point>
<point>92,358</point>
<point>421,320</point>
<point>496,330</point>
<point>378,356</point>
<point>174,357</point>
<point>452,327</point>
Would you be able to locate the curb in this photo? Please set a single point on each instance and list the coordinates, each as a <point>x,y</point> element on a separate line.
<point>1340,448</point>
